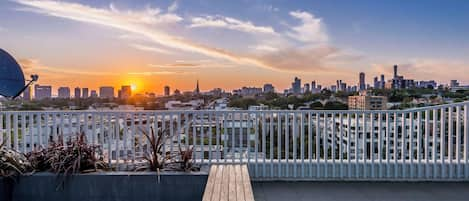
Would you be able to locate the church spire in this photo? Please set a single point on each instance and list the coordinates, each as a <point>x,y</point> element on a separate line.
<point>197,90</point>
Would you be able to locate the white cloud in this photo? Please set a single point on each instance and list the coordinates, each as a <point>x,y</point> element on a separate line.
<point>311,29</point>
<point>150,48</point>
<point>229,23</point>
<point>264,48</point>
<point>173,7</point>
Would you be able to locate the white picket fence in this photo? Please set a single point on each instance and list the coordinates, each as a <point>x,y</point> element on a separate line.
<point>428,143</point>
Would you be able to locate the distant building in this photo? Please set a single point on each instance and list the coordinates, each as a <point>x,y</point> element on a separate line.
<point>77,92</point>
<point>64,92</point>
<point>453,83</point>
<point>42,92</point>
<point>93,94</point>
<point>399,82</point>
<point>296,86</point>
<point>27,94</point>
<point>166,91</point>
<point>306,88</point>
<point>125,92</point>
<point>177,92</point>
<point>431,84</point>
<point>383,82</point>
<point>341,86</point>
<point>178,105</point>
<point>85,93</point>
<point>367,102</point>
<point>313,85</point>
<point>248,91</point>
<point>269,88</point>
<point>106,92</point>
<point>361,83</point>
<point>376,83</point>
<point>216,92</point>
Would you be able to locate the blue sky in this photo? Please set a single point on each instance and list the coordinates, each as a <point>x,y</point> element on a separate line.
<point>234,43</point>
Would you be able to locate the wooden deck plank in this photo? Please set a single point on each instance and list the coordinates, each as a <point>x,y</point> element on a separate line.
<point>225,184</point>
<point>228,183</point>
<point>232,183</point>
<point>248,194</point>
<point>210,184</point>
<point>239,183</point>
<point>218,184</point>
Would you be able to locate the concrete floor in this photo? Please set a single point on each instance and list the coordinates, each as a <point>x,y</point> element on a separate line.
<point>360,191</point>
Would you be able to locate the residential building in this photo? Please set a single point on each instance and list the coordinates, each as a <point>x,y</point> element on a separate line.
<point>367,102</point>
<point>64,92</point>
<point>361,83</point>
<point>77,92</point>
<point>85,93</point>
<point>42,92</point>
<point>269,88</point>
<point>106,92</point>
<point>248,91</point>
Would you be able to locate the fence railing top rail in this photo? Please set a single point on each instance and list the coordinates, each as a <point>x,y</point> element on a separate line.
<point>169,112</point>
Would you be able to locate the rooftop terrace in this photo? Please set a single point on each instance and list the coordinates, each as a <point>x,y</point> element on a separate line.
<point>424,144</point>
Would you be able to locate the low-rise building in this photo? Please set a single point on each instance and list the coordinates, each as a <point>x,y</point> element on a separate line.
<point>367,102</point>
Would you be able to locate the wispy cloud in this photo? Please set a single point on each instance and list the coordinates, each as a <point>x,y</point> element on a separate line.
<point>230,23</point>
<point>150,48</point>
<point>264,48</point>
<point>34,66</point>
<point>173,7</point>
<point>311,29</point>
<point>150,73</point>
<point>151,24</point>
<point>133,22</point>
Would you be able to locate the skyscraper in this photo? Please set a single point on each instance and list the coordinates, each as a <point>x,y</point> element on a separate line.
<point>85,93</point>
<point>376,83</point>
<point>166,91</point>
<point>383,82</point>
<point>362,84</point>
<point>296,86</point>
<point>64,92</point>
<point>395,71</point>
<point>77,92</point>
<point>42,92</point>
<point>106,92</point>
<point>313,85</point>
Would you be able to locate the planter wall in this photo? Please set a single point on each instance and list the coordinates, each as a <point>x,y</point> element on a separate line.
<point>113,186</point>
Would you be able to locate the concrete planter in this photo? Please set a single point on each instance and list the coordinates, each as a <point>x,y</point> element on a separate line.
<point>108,186</point>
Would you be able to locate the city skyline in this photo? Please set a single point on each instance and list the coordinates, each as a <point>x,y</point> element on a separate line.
<point>151,44</point>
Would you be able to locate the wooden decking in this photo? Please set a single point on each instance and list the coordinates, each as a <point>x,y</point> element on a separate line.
<point>228,183</point>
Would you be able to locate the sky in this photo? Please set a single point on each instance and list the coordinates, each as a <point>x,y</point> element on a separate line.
<point>230,44</point>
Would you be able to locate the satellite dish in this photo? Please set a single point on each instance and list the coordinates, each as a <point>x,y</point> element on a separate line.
<point>12,82</point>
